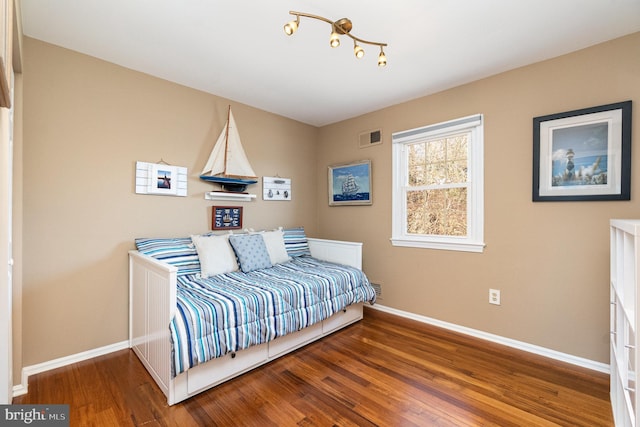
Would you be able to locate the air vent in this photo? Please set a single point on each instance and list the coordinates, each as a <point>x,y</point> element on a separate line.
<point>369,138</point>
<point>378,288</point>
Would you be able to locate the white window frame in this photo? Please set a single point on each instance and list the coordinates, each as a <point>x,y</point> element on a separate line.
<point>474,240</point>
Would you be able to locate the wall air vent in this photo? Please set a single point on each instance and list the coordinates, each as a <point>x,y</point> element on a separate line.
<point>369,138</point>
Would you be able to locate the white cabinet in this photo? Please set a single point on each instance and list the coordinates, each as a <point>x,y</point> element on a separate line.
<point>625,259</point>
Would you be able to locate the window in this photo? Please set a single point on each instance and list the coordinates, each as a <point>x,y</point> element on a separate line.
<point>438,199</point>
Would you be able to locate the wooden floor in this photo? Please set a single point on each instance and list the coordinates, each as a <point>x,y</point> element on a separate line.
<point>382,371</point>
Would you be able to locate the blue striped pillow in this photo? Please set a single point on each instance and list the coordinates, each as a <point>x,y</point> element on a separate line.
<point>180,252</point>
<point>295,241</point>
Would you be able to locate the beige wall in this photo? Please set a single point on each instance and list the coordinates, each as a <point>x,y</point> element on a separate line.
<point>86,123</point>
<point>550,260</point>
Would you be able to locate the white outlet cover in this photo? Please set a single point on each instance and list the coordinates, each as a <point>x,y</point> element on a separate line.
<point>494,296</point>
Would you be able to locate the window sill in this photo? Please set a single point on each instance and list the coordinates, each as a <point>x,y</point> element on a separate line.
<point>441,245</point>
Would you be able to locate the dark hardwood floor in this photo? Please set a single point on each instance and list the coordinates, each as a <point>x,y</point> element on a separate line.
<point>382,371</point>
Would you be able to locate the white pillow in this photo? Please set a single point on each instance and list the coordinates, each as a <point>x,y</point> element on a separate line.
<point>275,246</point>
<point>216,255</point>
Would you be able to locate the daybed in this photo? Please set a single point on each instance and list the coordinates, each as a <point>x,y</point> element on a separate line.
<point>207,308</point>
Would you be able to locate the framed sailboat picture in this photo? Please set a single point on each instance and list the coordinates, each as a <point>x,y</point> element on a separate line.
<point>226,218</point>
<point>350,184</point>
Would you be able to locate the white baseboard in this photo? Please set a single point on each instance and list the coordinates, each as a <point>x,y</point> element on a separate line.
<point>23,388</point>
<point>542,351</point>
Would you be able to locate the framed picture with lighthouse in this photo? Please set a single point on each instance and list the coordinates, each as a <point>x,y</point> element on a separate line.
<point>350,184</point>
<point>583,155</point>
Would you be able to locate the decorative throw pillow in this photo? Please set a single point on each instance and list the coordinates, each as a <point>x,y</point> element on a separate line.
<point>274,241</point>
<point>216,255</point>
<point>180,252</point>
<point>251,251</point>
<point>295,241</point>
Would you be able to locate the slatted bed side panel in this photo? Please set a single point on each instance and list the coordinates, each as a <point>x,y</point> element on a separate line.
<point>152,288</point>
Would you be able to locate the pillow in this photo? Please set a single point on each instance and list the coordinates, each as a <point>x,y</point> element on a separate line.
<point>295,241</point>
<point>251,251</point>
<point>274,241</point>
<point>216,255</point>
<point>175,251</point>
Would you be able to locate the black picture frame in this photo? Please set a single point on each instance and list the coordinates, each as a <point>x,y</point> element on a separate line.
<point>593,144</point>
<point>226,218</point>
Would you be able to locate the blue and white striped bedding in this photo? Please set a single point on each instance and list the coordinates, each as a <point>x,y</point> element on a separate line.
<point>232,311</point>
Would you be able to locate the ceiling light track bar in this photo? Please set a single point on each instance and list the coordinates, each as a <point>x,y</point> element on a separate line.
<point>340,27</point>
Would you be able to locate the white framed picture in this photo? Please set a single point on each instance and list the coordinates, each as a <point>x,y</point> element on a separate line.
<point>161,179</point>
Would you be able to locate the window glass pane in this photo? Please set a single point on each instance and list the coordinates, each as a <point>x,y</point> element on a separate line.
<point>417,153</point>
<point>436,174</point>
<point>416,164</point>
<point>417,175</point>
<point>457,171</point>
<point>438,161</point>
<point>457,147</point>
<point>436,150</point>
<point>437,212</point>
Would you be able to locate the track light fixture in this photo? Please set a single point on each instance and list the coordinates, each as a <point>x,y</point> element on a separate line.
<point>334,39</point>
<point>382,58</point>
<point>358,51</point>
<point>292,26</point>
<point>340,27</point>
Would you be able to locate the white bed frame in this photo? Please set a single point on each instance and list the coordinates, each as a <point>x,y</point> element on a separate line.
<point>152,296</point>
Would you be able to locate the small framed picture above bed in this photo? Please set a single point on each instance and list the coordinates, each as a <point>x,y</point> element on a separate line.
<point>226,218</point>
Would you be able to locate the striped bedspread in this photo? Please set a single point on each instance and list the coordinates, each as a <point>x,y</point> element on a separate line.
<point>230,312</point>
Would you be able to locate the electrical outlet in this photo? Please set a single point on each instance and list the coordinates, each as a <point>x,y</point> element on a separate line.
<point>494,296</point>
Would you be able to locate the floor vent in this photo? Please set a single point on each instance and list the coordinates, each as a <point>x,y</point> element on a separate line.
<point>378,288</point>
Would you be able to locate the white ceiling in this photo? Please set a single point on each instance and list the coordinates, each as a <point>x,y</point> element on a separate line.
<point>237,49</point>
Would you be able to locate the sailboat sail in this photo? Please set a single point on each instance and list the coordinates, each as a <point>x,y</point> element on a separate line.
<point>228,157</point>
<point>228,164</point>
<point>350,186</point>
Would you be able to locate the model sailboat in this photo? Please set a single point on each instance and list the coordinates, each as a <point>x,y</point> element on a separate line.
<point>228,164</point>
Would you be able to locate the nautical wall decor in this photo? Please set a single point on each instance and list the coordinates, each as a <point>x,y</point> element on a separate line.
<point>226,218</point>
<point>350,184</point>
<point>161,179</point>
<point>583,155</point>
<point>228,164</point>
<point>276,188</point>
